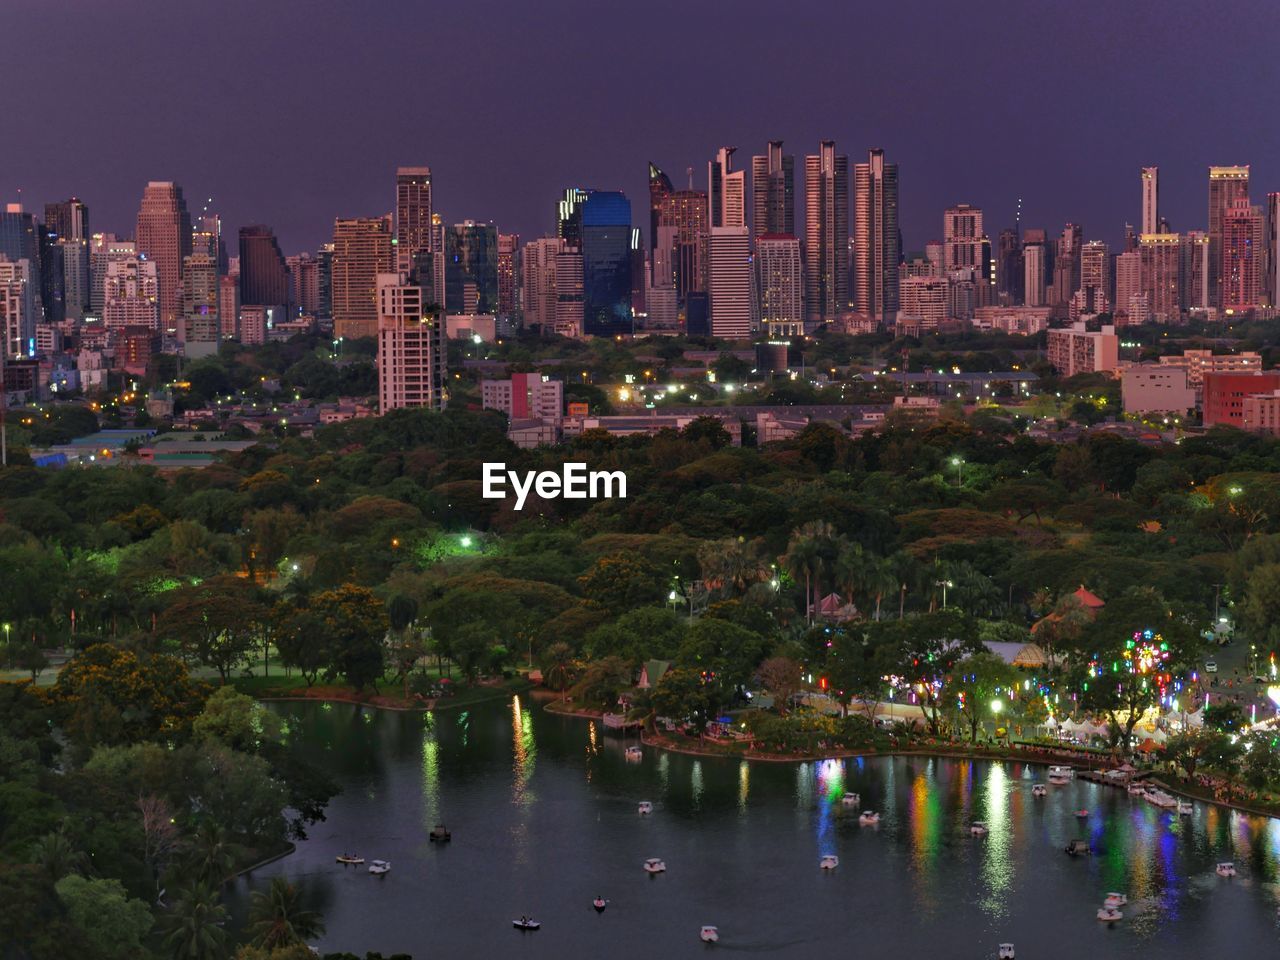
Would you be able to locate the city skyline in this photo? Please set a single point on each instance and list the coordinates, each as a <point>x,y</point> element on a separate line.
<point>1081,167</point>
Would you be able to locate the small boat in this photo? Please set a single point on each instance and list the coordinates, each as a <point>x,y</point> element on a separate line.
<point>1039,790</point>
<point>1185,808</point>
<point>599,903</point>
<point>634,753</point>
<point>1109,914</point>
<point>1059,779</point>
<point>654,865</point>
<point>1161,799</point>
<point>869,818</point>
<point>379,867</point>
<point>1137,789</point>
<point>851,801</point>
<point>1082,813</point>
<point>1225,869</point>
<point>978,829</point>
<point>1077,848</point>
<point>1067,773</point>
<point>1006,951</point>
<point>829,862</point>
<point>644,808</point>
<point>709,934</point>
<point>351,858</point>
<point>526,923</point>
<point>1115,900</point>
<point>439,834</point>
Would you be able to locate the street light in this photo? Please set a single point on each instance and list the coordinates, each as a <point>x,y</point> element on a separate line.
<point>958,463</point>
<point>943,584</point>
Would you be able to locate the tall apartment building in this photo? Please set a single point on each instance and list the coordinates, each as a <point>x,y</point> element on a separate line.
<point>679,225</point>
<point>1074,349</point>
<point>539,258</point>
<point>525,396</point>
<point>1129,287</point>
<point>1194,272</point>
<point>964,243</point>
<point>1161,260</point>
<point>17,325</point>
<point>924,302</point>
<point>773,192</point>
<point>164,237</point>
<point>412,367</point>
<point>20,241</point>
<point>1094,293</point>
<point>729,282</point>
<point>200,328</point>
<point>1033,274</point>
<point>413,214</point>
<point>304,283</point>
<point>471,268</point>
<point>780,279</point>
<point>1243,257</point>
<point>1227,186</point>
<point>876,237</point>
<point>1150,199</point>
<point>508,274</point>
<point>570,316</point>
<point>67,223</point>
<point>103,249</point>
<point>1271,278</point>
<point>362,251</point>
<point>132,294</point>
<point>826,189</point>
<point>229,307</point>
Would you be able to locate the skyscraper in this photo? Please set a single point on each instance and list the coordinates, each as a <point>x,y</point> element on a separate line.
<point>826,190</point>
<point>164,237</point>
<point>679,224</point>
<point>781,283</point>
<point>1226,186</point>
<point>1195,271</point>
<point>200,328</point>
<point>131,294</point>
<point>569,318</point>
<point>19,241</point>
<point>1130,301</point>
<point>876,236</point>
<point>471,268</point>
<point>413,212</point>
<point>539,258</point>
<point>1271,281</point>
<point>1094,292</point>
<point>606,263</point>
<point>569,215</point>
<point>1150,200</point>
<point>726,190</point>
<point>1242,257</point>
<point>1161,258</point>
<point>264,277</point>
<point>964,244</point>
<point>1010,275</point>
<point>304,283</point>
<point>361,250</point>
<point>729,282</point>
<point>17,326</point>
<point>1033,274</point>
<point>773,192</point>
<point>412,370</point>
<point>508,279</point>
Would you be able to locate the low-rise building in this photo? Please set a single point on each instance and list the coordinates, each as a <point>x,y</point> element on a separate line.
<point>1076,349</point>
<point>525,396</point>
<point>1225,393</point>
<point>1152,388</point>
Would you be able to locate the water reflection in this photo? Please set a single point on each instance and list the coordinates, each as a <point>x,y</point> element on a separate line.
<point>430,773</point>
<point>524,752</point>
<point>997,860</point>
<point>744,784</point>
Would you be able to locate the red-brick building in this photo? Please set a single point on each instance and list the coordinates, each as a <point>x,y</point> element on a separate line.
<point>1224,394</point>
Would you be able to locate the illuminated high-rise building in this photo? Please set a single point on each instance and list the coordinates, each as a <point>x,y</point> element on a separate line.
<point>361,251</point>
<point>679,225</point>
<point>164,237</point>
<point>826,189</point>
<point>471,268</point>
<point>1271,281</point>
<point>605,233</point>
<point>1194,272</point>
<point>19,241</point>
<point>780,273</point>
<point>1130,302</point>
<point>876,236</point>
<point>729,282</point>
<point>304,283</point>
<point>413,212</point>
<point>964,242</point>
<point>412,348</point>
<point>1243,261</point>
<point>540,257</point>
<point>1151,200</point>
<point>508,274</point>
<point>132,294</point>
<point>726,190</point>
<point>1033,274</point>
<point>201,326</point>
<point>1161,258</point>
<point>773,190</point>
<point>1227,185</point>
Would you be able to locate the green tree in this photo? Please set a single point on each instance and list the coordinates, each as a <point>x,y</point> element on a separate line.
<point>192,929</point>
<point>114,925</point>
<point>979,680</point>
<point>214,622</point>
<point>684,693</point>
<point>780,677</point>
<point>277,918</point>
<point>622,582</point>
<point>237,721</point>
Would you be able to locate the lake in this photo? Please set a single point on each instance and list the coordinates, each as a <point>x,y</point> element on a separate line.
<point>543,811</point>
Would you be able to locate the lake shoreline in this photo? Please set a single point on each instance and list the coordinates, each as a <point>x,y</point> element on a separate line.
<point>1046,757</point>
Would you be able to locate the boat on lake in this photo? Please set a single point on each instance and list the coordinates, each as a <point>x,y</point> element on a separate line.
<point>1006,952</point>
<point>599,903</point>
<point>350,858</point>
<point>526,923</point>
<point>869,818</point>
<point>709,934</point>
<point>440,834</point>
<point>654,865</point>
<point>1039,790</point>
<point>1077,848</point>
<point>1115,900</point>
<point>978,829</point>
<point>851,801</point>
<point>379,867</point>
<point>829,862</point>
<point>644,808</point>
<point>1225,869</point>
<point>634,753</point>
<point>1109,914</point>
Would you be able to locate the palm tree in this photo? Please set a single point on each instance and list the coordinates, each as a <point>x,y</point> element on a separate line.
<point>812,552</point>
<point>211,855</point>
<point>850,570</point>
<point>906,570</point>
<point>276,919</point>
<point>58,856</point>
<point>558,666</point>
<point>879,578</point>
<point>733,563</point>
<point>192,929</point>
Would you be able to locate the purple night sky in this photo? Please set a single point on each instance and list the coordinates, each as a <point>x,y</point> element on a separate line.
<point>291,113</point>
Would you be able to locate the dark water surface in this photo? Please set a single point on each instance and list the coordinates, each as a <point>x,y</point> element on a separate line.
<point>543,814</point>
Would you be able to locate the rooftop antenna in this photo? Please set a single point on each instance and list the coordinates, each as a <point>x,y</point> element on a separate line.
<point>1017,219</point>
<point>689,171</point>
